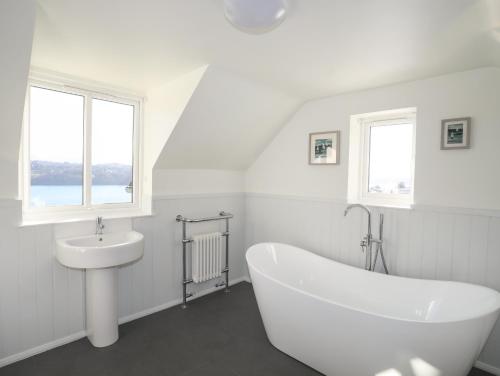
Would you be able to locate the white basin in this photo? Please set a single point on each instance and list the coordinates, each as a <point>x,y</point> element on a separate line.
<point>100,256</point>
<point>100,251</point>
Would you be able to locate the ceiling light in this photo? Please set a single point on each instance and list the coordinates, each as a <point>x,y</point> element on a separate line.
<point>255,16</point>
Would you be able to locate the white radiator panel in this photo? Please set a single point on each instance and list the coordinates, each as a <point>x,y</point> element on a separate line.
<point>206,257</point>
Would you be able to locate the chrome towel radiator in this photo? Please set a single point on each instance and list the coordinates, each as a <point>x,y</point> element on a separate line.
<point>185,240</point>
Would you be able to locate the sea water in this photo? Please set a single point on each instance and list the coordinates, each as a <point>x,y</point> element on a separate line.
<point>55,195</point>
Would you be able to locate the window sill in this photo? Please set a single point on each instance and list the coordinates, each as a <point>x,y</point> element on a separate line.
<point>391,206</point>
<point>382,204</point>
<point>35,219</point>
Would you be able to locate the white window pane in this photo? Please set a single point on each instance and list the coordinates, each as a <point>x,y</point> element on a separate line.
<point>390,159</point>
<point>112,152</point>
<point>56,148</point>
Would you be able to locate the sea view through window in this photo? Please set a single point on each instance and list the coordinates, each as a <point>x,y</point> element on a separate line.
<point>76,159</point>
<point>53,184</point>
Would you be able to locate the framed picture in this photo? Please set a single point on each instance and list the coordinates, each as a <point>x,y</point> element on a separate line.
<point>324,148</point>
<point>455,133</point>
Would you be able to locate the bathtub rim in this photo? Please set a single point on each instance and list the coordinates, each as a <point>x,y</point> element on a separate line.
<point>363,311</point>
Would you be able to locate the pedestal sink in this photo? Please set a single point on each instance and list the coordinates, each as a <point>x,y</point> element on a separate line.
<point>100,256</point>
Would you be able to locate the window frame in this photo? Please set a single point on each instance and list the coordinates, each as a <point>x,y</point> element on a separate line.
<point>366,123</point>
<point>72,212</point>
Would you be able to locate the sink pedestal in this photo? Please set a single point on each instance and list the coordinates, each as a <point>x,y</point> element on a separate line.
<point>102,306</point>
<point>100,256</point>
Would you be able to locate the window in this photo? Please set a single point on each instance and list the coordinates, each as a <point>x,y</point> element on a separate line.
<point>56,166</point>
<point>381,158</point>
<point>80,150</point>
<point>112,152</point>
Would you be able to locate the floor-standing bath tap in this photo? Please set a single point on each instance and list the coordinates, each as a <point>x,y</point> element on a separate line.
<point>379,242</point>
<point>368,240</point>
<point>366,243</point>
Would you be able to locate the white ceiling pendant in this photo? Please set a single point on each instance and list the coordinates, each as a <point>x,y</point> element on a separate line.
<point>255,16</point>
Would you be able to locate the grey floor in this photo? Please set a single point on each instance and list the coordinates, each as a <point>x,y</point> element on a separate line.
<point>218,334</point>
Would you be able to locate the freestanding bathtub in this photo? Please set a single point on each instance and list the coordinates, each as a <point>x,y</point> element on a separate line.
<point>343,321</point>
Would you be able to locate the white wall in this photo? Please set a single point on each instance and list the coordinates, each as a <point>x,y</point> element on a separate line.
<point>456,178</point>
<point>182,182</point>
<point>17,20</point>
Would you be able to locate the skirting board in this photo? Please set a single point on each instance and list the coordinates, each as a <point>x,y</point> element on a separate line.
<point>175,302</point>
<point>486,367</point>
<point>76,336</point>
<point>42,348</point>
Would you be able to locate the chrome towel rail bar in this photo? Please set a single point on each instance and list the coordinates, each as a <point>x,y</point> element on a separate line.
<point>185,240</point>
<point>222,215</point>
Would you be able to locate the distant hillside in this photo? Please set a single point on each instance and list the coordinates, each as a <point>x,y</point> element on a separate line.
<point>56,173</point>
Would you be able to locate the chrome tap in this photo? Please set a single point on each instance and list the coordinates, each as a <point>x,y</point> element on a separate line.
<point>366,243</point>
<point>99,226</point>
<point>368,240</point>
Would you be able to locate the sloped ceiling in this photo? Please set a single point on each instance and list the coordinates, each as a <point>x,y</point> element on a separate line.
<point>226,124</point>
<point>323,48</point>
<point>163,108</point>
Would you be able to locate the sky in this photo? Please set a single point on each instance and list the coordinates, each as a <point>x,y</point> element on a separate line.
<point>56,128</point>
<point>391,150</point>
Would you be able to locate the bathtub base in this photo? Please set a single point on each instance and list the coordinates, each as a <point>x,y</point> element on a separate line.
<point>337,344</point>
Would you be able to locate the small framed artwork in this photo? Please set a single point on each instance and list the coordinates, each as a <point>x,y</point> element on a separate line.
<point>455,133</point>
<point>324,148</point>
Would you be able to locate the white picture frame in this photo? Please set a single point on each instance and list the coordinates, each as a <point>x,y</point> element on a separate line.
<point>324,148</point>
<point>455,133</point>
